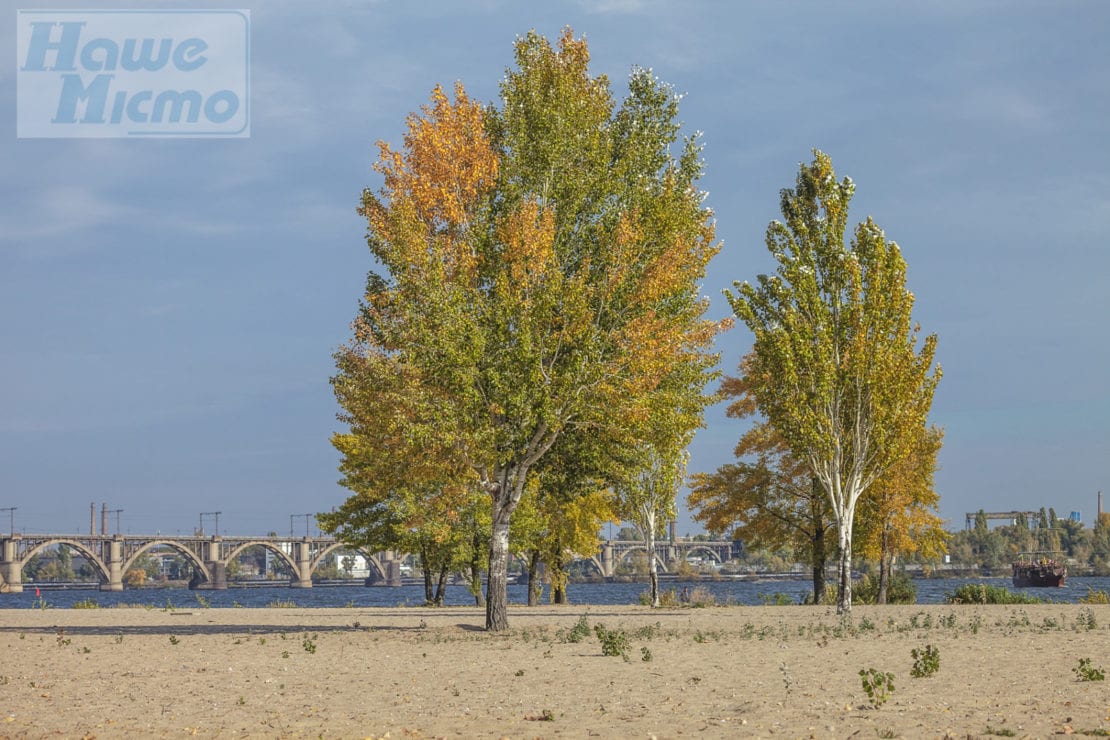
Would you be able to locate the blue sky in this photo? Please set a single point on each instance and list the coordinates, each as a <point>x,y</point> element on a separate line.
<point>168,308</point>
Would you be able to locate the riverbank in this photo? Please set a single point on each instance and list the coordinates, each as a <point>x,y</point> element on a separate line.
<point>419,672</point>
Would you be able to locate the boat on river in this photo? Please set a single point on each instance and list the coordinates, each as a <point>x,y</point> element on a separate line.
<point>1040,570</point>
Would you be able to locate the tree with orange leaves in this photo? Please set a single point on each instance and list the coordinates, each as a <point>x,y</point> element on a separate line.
<point>541,277</point>
<point>768,498</point>
<point>898,515</point>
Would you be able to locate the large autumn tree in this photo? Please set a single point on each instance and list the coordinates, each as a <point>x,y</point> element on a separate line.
<point>840,371</point>
<point>541,266</point>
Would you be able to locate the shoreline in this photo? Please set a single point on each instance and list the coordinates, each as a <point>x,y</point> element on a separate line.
<point>434,672</point>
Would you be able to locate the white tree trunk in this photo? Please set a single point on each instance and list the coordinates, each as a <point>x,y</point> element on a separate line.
<point>497,617</point>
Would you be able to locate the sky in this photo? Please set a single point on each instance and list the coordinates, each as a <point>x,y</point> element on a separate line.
<point>169,307</point>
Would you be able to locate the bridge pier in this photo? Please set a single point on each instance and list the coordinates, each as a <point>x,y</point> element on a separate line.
<point>11,567</point>
<point>214,564</point>
<point>302,554</point>
<point>391,564</point>
<point>607,564</point>
<point>113,558</point>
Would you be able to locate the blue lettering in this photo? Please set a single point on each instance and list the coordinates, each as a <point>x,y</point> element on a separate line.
<point>211,110</point>
<point>176,101</point>
<point>133,112</point>
<point>66,47</point>
<point>73,92</point>
<point>189,55</point>
<point>111,55</point>
<point>145,60</point>
<point>118,106</point>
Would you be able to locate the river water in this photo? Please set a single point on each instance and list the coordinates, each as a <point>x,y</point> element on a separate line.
<point>747,592</point>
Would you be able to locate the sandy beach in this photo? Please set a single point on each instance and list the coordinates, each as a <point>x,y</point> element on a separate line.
<point>789,671</point>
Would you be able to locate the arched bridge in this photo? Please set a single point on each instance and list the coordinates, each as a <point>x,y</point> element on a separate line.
<point>668,553</point>
<point>113,555</point>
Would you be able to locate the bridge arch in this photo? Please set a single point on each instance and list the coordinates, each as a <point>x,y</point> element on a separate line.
<point>659,560</point>
<point>371,558</point>
<point>90,556</point>
<point>191,556</point>
<point>593,562</point>
<point>712,553</point>
<point>283,556</point>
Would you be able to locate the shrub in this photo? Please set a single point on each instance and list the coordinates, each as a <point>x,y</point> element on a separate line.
<point>981,593</point>
<point>1095,597</point>
<point>879,686</point>
<point>1087,673</point>
<point>926,662</point>
<point>900,590</point>
<point>579,632</point>
<point>613,642</point>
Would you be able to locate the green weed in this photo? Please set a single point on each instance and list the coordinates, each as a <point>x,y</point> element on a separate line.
<point>879,686</point>
<point>1086,672</point>
<point>926,661</point>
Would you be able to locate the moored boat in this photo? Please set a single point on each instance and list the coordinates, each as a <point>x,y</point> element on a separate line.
<point>1039,570</point>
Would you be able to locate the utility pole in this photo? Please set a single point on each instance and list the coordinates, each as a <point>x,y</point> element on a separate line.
<point>216,515</point>
<point>11,520</point>
<point>117,512</point>
<point>298,516</point>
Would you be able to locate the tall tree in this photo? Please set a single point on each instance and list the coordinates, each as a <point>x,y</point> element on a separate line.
<point>841,375</point>
<point>542,266</point>
<point>768,498</point>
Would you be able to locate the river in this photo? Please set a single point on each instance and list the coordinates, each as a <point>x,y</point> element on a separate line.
<point>746,592</point>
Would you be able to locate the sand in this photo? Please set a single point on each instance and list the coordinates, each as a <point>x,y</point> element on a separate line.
<point>789,671</point>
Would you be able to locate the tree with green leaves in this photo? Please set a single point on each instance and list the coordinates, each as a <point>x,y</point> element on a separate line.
<point>838,367</point>
<point>647,499</point>
<point>541,277</point>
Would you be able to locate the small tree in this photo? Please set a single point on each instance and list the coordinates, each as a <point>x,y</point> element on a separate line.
<point>647,499</point>
<point>768,498</point>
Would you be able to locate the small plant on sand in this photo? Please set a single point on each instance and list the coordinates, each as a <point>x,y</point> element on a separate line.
<point>1086,672</point>
<point>999,731</point>
<point>119,638</point>
<point>204,601</point>
<point>579,632</point>
<point>86,604</point>
<point>926,661</point>
<point>613,642</point>
<point>1085,620</point>
<point>878,685</point>
<point>174,640</point>
<point>308,644</point>
<point>778,598</point>
<point>62,639</point>
<point>645,655</point>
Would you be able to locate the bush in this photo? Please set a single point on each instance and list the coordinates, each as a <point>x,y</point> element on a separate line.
<point>1095,597</point>
<point>900,590</point>
<point>981,593</point>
